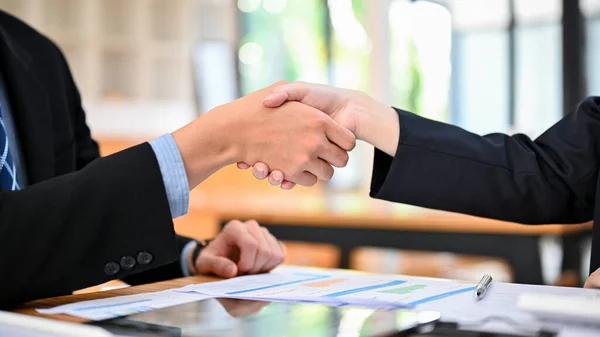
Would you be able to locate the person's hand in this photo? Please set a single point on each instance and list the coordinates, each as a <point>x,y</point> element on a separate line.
<point>368,119</point>
<point>299,140</point>
<point>241,248</point>
<point>594,280</point>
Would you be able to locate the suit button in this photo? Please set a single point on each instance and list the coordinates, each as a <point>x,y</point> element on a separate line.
<point>144,258</point>
<point>111,268</point>
<point>127,262</point>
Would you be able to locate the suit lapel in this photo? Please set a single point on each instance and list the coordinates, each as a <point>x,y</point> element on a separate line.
<point>30,107</point>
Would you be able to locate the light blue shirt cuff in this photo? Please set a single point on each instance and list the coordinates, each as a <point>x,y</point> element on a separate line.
<point>184,252</point>
<point>173,174</point>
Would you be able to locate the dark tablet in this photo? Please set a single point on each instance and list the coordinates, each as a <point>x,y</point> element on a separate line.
<point>241,318</point>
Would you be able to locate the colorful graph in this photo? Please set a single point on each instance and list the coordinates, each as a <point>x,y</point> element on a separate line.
<point>325,283</point>
<point>403,290</point>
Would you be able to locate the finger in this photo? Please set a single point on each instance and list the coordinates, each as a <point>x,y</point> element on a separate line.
<point>287,92</point>
<point>218,265</point>
<point>276,178</point>
<point>593,281</point>
<point>243,166</point>
<point>260,171</point>
<point>236,235</point>
<point>333,154</point>
<point>263,252</point>
<point>287,185</point>
<point>339,135</point>
<point>304,179</point>
<point>283,247</point>
<point>321,169</point>
<point>276,256</point>
<point>275,99</point>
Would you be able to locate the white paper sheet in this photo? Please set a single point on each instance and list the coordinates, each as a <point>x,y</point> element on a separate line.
<point>124,305</point>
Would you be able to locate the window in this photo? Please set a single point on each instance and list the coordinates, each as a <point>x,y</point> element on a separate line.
<point>486,86</point>
<point>282,39</point>
<point>480,81</point>
<point>420,36</point>
<point>351,45</point>
<point>538,56</point>
<point>591,11</point>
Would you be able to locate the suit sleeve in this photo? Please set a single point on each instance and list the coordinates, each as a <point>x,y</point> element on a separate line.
<point>84,228</point>
<point>513,178</point>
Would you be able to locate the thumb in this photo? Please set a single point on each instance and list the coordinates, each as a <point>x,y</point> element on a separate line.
<point>242,166</point>
<point>287,92</point>
<point>218,265</point>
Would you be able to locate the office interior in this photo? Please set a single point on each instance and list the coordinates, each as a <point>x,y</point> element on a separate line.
<point>147,67</point>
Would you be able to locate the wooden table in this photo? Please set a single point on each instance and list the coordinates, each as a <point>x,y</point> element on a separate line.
<point>354,220</point>
<point>29,308</point>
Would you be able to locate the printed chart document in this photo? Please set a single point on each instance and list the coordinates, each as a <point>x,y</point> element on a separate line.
<point>285,284</point>
<point>334,288</point>
<point>498,311</point>
<point>124,305</point>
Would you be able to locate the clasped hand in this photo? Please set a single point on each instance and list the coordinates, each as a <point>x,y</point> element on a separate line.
<point>345,107</point>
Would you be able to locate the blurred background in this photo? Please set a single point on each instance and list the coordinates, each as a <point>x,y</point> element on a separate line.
<point>147,67</point>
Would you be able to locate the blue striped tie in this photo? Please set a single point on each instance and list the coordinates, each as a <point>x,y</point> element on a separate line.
<point>8,172</point>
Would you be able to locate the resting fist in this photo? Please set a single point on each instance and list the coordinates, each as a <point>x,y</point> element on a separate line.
<point>240,248</point>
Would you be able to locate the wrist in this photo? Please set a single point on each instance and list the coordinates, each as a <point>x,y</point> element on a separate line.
<point>378,125</point>
<point>205,147</point>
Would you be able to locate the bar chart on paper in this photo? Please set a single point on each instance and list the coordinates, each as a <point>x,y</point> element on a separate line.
<point>334,287</point>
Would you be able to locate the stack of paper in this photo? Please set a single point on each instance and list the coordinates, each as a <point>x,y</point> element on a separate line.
<point>286,284</point>
<point>333,288</point>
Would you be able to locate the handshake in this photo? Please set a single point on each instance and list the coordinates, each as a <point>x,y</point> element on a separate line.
<point>300,130</point>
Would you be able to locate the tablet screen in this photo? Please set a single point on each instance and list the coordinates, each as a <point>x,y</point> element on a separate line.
<point>240,318</point>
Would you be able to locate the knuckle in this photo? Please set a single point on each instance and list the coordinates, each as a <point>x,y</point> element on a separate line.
<point>318,122</point>
<point>252,223</point>
<point>274,257</point>
<point>303,161</point>
<point>264,253</point>
<point>251,244</point>
<point>233,224</point>
<point>244,267</point>
<point>315,144</point>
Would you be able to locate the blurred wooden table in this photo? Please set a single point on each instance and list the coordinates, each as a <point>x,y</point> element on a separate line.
<point>349,221</point>
<point>29,308</point>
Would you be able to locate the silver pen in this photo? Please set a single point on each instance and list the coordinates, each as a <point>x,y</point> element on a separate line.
<point>482,287</point>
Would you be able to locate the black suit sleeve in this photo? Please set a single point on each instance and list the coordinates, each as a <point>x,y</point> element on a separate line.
<point>58,235</point>
<point>549,180</point>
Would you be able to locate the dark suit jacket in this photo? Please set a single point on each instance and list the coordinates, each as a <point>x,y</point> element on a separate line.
<point>80,212</point>
<point>553,179</point>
